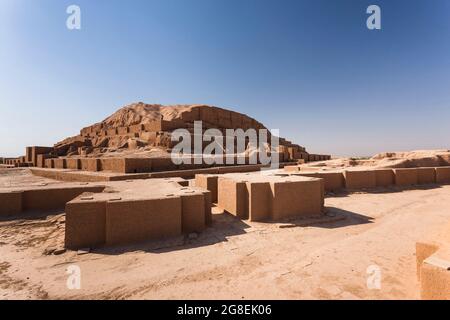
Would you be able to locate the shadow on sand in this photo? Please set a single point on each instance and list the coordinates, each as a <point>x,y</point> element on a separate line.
<point>380,190</point>
<point>226,225</point>
<point>31,216</point>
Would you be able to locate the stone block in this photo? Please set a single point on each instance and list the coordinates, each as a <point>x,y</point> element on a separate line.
<point>193,211</point>
<point>149,137</point>
<point>260,200</point>
<point>85,223</point>
<point>129,221</point>
<point>35,150</point>
<point>73,163</point>
<point>442,175</point>
<point>49,163</point>
<point>91,164</point>
<point>53,198</point>
<point>40,162</point>
<point>333,180</point>
<point>406,176</point>
<point>360,179</point>
<point>136,128</point>
<point>29,154</point>
<point>208,182</point>
<point>232,196</point>
<point>426,175</point>
<point>10,203</point>
<point>163,164</point>
<point>435,276</point>
<point>384,177</point>
<point>138,165</point>
<point>297,199</point>
<point>60,163</point>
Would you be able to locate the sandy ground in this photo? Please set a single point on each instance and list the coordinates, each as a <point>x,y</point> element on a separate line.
<point>236,259</point>
<point>20,177</point>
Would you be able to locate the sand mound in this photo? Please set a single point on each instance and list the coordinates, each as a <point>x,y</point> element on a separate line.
<point>419,158</point>
<point>410,159</point>
<point>137,113</point>
<point>141,113</point>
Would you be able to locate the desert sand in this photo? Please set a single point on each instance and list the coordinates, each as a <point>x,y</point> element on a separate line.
<point>316,228</point>
<point>233,258</point>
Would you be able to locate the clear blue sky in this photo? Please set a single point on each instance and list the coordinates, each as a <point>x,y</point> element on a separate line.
<point>310,68</point>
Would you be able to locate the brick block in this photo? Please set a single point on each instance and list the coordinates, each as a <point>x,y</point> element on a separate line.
<point>210,116</point>
<point>73,163</point>
<point>333,181</point>
<point>29,154</point>
<point>153,126</point>
<point>60,163</point>
<point>118,165</point>
<point>208,182</point>
<point>131,221</point>
<point>297,199</point>
<point>426,175</point>
<point>236,120</point>
<point>138,165</point>
<point>163,164</point>
<point>406,176</point>
<point>90,164</point>
<point>35,150</point>
<point>10,203</point>
<point>435,276</point>
<point>191,115</point>
<point>207,202</point>
<point>53,198</point>
<point>232,196</point>
<point>384,177</point>
<point>40,162</point>
<point>241,168</point>
<point>136,128</point>
<point>259,201</point>
<point>171,125</point>
<point>208,206</point>
<point>443,175</point>
<point>85,224</point>
<point>423,251</point>
<point>112,164</point>
<point>49,163</point>
<point>149,137</point>
<point>360,179</point>
<point>93,164</point>
<point>193,211</point>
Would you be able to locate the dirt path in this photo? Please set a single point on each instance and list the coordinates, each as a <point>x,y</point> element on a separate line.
<point>239,260</point>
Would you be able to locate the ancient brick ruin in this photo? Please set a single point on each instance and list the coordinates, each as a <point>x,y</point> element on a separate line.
<point>98,147</point>
<point>117,191</point>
